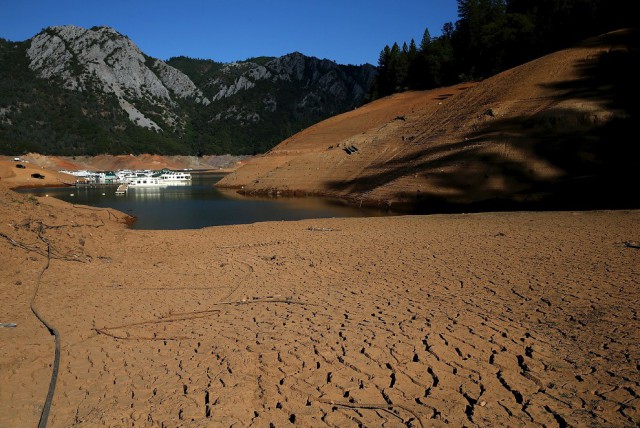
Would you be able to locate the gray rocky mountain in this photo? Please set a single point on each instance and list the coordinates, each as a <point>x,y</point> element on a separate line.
<point>101,59</point>
<point>109,94</point>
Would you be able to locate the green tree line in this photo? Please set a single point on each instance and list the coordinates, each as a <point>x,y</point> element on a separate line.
<point>491,36</point>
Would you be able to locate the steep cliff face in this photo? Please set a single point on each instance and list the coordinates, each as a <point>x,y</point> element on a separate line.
<point>93,90</point>
<point>316,75</point>
<point>101,59</point>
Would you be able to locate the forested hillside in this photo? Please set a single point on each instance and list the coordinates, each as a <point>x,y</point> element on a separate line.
<point>76,91</point>
<point>39,115</point>
<point>257,103</point>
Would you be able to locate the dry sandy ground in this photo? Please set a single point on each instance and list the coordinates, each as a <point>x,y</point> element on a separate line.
<point>21,177</point>
<point>511,319</point>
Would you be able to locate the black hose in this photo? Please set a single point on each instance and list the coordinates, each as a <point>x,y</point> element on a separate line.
<point>44,416</point>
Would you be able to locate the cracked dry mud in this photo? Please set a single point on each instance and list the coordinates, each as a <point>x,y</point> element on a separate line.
<point>515,319</point>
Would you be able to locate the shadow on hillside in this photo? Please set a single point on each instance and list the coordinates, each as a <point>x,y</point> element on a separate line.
<point>595,157</point>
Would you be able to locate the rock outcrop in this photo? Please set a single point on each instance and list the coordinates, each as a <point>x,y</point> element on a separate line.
<point>103,59</point>
<point>317,76</point>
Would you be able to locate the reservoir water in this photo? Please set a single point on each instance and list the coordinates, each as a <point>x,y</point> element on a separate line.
<point>201,205</point>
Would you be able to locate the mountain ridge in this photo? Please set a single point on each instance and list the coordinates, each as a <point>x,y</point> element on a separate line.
<point>116,96</point>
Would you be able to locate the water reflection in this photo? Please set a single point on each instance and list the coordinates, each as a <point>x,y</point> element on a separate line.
<point>149,193</point>
<point>201,205</point>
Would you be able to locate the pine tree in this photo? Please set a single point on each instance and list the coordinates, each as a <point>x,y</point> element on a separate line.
<point>382,85</point>
<point>413,50</point>
<point>394,67</point>
<point>426,41</point>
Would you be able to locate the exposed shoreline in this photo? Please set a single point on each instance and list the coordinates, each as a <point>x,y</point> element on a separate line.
<point>421,320</point>
<point>537,203</point>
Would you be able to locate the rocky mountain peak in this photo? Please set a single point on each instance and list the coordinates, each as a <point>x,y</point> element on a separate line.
<point>102,59</point>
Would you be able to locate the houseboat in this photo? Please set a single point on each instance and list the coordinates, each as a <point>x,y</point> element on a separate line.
<point>162,178</point>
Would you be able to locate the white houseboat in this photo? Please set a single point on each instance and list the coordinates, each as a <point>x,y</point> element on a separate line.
<point>158,179</point>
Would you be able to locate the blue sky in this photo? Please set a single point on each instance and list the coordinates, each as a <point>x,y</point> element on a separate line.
<point>347,31</point>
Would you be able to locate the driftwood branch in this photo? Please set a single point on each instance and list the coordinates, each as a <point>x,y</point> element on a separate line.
<point>388,408</point>
<point>26,247</point>
<point>61,226</point>
<point>51,253</point>
<point>119,337</point>
<point>100,210</point>
<point>322,229</point>
<point>250,245</point>
<point>187,316</point>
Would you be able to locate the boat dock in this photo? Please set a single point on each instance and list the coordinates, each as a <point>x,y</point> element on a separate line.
<point>122,189</point>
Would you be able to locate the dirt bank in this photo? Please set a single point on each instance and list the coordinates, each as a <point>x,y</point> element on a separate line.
<point>13,176</point>
<point>224,163</point>
<point>553,131</point>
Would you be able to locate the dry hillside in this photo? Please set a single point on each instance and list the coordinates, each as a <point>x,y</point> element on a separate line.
<point>143,161</point>
<point>546,131</point>
<point>14,177</point>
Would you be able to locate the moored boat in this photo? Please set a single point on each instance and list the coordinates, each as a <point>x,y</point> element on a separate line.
<point>162,178</point>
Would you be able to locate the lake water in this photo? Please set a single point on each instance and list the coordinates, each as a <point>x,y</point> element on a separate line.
<point>201,205</point>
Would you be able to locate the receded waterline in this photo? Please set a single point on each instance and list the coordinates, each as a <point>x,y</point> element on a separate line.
<point>201,205</point>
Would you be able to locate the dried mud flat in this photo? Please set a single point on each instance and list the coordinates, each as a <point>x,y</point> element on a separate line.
<point>512,319</point>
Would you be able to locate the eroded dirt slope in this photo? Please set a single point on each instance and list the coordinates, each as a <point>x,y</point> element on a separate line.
<point>550,129</point>
<point>13,176</point>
